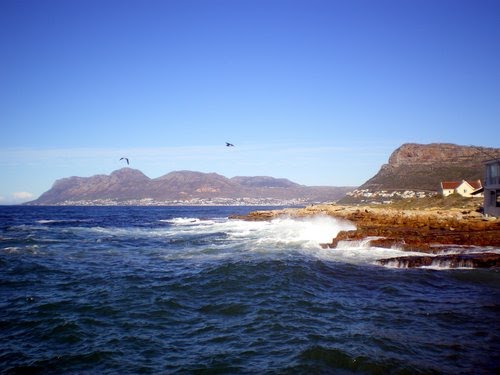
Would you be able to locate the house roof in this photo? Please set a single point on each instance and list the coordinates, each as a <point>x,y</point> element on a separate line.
<point>450,184</point>
<point>475,184</point>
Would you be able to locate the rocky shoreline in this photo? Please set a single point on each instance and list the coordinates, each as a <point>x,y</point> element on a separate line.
<point>423,230</point>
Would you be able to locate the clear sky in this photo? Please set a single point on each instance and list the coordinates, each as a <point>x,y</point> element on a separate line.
<point>316,91</point>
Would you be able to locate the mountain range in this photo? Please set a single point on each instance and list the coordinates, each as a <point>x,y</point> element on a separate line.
<point>131,186</point>
<point>411,167</point>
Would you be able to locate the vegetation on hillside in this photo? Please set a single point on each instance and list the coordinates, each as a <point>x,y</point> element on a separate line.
<point>438,201</point>
<point>422,177</point>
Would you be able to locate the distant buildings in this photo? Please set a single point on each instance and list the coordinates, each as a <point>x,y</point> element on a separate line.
<point>492,188</point>
<point>385,196</point>
<point>245,201</point>
<point>463,188</point>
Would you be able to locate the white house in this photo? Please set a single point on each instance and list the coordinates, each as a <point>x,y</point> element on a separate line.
<point>463,188</point>
<point>448,187</point>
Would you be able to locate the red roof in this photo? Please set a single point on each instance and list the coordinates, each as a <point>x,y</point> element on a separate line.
<point>476,184</point>
<point>450,184</point>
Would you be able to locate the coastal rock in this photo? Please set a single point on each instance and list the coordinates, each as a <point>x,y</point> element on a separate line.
<point>472,260</point>
<point>412,230</point>
<point>415,239</point>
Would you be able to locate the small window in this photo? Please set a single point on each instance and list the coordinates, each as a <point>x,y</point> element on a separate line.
<point>498,198</point>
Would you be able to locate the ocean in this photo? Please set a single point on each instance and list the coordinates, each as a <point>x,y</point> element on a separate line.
<point>183,290</point>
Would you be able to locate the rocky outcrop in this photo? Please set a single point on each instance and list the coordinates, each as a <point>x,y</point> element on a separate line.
<point>430,154</point>
<point>418,239</point>
<point>425,230</point>
<point>472,260</point>
<point>420,230</point>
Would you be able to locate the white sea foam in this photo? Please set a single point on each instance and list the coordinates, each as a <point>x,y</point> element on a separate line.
<point>435,265</point>
<point>288,232</point>
<point>185,221</point>
<point>11,249</point>
<point>53,221</point>
<point>275,237</point>
<point>278,237</point>
<point>224,238</point>
<point>32,249</point>
<point>362,254</point>
<point>46,221</point>
<point>283,232</point>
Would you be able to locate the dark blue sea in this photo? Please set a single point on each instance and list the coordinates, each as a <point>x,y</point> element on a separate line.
<point>185,290</point>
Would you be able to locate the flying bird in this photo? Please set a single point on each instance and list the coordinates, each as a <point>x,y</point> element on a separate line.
<point>126,159</point>
<point>229,144</point>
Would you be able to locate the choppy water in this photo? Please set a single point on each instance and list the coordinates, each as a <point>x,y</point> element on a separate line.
<point>185,290</point>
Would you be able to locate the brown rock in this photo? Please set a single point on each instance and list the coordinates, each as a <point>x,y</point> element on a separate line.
<point>472,260</point>
<point>415,230</point>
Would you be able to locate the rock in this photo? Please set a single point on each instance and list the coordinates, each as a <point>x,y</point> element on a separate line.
<point>471,260</point>
<point>417,239</point>
<point>415,230</point>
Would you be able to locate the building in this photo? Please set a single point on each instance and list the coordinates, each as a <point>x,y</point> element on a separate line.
<point>492,188</point>
<point>448,187</point>
<point>464,188</point>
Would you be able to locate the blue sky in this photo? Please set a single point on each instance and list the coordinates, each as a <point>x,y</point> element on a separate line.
<point>320,92</point>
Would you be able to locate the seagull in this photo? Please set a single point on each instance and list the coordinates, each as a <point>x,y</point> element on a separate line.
<point>126,160</point>
<point>229,144</point>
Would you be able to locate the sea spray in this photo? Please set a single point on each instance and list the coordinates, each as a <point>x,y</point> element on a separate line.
<point>299,232</point>
<point>302,232</point>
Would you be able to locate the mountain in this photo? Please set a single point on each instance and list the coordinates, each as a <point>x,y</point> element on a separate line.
<point>264,182</point>
<point>422,167</point>
<point>122,184</point>
<point>131,186</point>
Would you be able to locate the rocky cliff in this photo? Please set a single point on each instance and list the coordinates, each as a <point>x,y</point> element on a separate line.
<point>422,167</point>
<point>450,237</point>
<point>131,186</point>
<point>416,170</point>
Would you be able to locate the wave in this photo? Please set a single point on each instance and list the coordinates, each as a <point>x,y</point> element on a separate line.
<point>308,232</point>
<point>61,221</point>
<point>180,221</point>
<point>219,238</point>
<point>362,254</point>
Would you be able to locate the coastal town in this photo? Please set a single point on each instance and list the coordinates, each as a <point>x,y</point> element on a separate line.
<point>386,197</point>
<point>261,202</point>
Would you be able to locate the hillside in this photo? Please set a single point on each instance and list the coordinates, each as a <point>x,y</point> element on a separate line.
<point>421,168</point>
<point>130,186</point>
